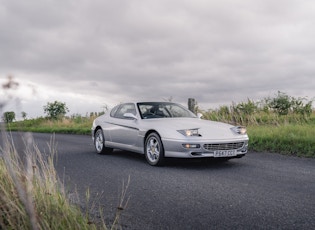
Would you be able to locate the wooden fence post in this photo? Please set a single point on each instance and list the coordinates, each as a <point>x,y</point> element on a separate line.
<point>191,104</point>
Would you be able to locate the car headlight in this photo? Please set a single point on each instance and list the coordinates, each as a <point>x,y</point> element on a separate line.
<point>239,130</point>
<point>189,132</point>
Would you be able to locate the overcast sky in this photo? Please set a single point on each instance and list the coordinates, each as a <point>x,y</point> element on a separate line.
<point>91,53</point>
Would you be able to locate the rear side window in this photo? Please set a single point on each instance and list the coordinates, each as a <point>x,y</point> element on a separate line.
<point>122,109</point>
<point>113,111</point>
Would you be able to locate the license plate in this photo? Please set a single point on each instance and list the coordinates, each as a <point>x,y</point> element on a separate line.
<point>225,153</point>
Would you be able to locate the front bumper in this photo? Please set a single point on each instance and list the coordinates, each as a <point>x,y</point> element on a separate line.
<point>234,148</point>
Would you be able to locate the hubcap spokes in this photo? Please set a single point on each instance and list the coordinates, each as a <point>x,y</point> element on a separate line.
<point>99,142</point>
<point>153,149</point>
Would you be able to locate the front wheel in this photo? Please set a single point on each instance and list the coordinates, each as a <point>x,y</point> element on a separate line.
<point>99,143</point>
<point>153,150</point>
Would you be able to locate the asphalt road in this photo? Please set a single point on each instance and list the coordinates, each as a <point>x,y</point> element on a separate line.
<point>259,191</point>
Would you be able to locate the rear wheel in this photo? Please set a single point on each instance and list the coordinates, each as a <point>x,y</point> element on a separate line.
<point>154,151</point>
<point>99,142</point>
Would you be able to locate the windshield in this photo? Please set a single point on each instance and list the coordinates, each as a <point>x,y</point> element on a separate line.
<point>163,110</point>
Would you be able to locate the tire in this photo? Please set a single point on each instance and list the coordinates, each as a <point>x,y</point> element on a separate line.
<point>99,143</point>
<point>154,150</point>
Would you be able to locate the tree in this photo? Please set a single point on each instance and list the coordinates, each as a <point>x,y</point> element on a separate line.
<point>56,109</point>
<point>24,115</point>
<point>8,117</point>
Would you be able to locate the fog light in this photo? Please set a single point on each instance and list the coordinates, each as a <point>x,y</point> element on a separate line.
<point>191,146</point>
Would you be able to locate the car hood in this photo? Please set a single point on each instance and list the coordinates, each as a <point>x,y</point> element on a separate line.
<point>207,129</point>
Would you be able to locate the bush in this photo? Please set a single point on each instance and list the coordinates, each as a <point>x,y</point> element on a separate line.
<point>284,104</point>
<point>281,109</point>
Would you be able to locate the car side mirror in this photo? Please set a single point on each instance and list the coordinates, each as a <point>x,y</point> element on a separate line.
<point>199,115</point>
<point>130,115</point>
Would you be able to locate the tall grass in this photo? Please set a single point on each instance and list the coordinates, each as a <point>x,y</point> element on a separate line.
<point>257,116</point>
<point>31,195</point>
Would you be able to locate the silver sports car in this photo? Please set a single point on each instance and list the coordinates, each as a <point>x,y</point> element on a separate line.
<point>166,129</point>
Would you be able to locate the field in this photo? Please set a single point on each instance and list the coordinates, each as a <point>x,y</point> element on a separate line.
<point>268,132</point>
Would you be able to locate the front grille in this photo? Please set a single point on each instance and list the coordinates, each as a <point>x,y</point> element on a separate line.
<point>224,146</point>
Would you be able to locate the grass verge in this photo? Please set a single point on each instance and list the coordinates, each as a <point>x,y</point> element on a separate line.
<point>78,125</point>
<point>290,135</point>
<point>289,139</point>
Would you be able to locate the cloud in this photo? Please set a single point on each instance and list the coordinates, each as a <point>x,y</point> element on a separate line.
<point>115,51</point>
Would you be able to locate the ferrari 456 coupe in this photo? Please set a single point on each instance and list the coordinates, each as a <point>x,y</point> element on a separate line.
<point>165,129</point>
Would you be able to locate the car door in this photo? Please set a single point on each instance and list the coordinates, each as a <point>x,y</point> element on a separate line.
<point>124,130</point>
